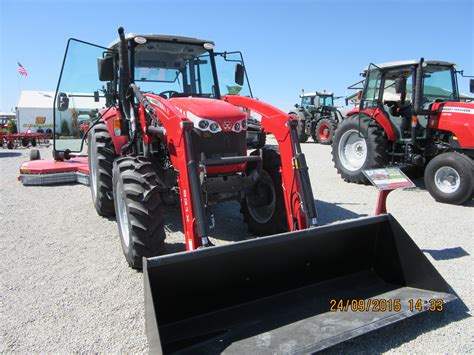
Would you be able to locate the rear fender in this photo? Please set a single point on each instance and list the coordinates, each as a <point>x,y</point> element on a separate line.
<point>352,112</point>
<point>109,118</point>
<point>379,116</point>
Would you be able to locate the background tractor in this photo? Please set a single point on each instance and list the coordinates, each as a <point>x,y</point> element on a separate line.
<point>410,115</point>
<point>173,129</point>
<point>317,117</point>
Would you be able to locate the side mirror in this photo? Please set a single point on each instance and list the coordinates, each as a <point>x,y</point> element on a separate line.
<point>239,74</point>
<point>400,85</point>
<point>63,102</point>
<point>471,86</point>
<point>106,68</point>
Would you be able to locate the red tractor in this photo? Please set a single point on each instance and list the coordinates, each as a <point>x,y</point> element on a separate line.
<point>410,115</point>
<point>173,128</point>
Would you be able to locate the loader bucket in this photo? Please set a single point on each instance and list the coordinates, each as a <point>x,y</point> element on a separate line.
<point>275,294</point>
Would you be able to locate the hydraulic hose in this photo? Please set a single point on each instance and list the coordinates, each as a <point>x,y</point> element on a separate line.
<point>124,69</point>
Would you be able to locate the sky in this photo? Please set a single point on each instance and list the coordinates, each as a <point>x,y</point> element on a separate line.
<point>287,45</point>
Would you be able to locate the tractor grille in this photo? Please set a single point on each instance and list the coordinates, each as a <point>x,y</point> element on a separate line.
<point>217,145</point>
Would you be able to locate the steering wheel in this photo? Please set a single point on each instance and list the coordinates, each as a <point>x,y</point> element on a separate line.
<point>168,94</point>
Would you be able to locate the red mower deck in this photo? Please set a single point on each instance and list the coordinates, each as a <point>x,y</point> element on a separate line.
<point>50,172</point>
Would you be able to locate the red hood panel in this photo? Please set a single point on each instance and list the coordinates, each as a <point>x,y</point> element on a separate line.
<point>457,118</point>
<point>212,109</point>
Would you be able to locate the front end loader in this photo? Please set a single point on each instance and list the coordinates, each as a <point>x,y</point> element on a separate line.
<point>172,129</point>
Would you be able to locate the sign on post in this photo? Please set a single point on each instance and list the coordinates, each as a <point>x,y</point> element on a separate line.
<point>388,178</point>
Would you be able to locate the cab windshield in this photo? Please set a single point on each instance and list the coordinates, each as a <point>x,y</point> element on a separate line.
<point>174,69</point>
<point>326,101</point>
<point>439,84</point>
<point>181,70</point>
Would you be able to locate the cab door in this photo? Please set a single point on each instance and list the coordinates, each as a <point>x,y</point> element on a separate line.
<point>226,65</point>
<point>79,95</point>
<point>371,94</point>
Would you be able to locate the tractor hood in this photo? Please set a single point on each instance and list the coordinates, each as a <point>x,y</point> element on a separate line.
<point>212,109</point>
<point>457,118</point>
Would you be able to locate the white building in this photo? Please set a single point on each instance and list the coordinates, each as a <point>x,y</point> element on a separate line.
<point>35,110</point>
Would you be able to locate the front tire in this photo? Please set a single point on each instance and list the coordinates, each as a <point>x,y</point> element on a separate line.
<point>138,209</point>
<point>352,153</point>
<point>449,178</point>
<point>101,156</point>
<point>264,209</point>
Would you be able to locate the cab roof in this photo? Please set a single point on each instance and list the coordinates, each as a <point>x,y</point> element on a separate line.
<point>402,63</point>
<point>317,93</point>
<point>160,37</point>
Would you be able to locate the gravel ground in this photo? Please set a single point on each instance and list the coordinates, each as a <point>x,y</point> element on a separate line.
<point>65,285</point>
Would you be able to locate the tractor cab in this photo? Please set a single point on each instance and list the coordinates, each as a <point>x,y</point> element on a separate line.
<point>184,70</point>
<point>316,100</point>
<point>391,88</point>
<point>174,66</point>
<point>325,99</point>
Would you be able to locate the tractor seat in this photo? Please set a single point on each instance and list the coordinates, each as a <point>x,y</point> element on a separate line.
<point>398,122</point>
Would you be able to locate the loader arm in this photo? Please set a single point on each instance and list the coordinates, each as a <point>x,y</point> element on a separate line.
<point>298,195</point>
<point>175,130</point>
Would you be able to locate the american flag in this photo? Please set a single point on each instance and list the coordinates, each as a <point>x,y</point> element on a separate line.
<point>22,70</point>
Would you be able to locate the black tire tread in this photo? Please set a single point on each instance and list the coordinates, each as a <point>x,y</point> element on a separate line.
<point>146,219</point>
<point>377,148</point>
<point>465,168</point>
<point>103,203</point>
<point>278,223</point>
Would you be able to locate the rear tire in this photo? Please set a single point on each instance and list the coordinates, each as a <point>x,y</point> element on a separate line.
<point>267,215</point>
<point>35,154</point>
<point>352,154</point>
<point>101,156</point>
<point>325,130</point>
<point>138,209</point>
<point>449,178</point>
<point>300,130</point>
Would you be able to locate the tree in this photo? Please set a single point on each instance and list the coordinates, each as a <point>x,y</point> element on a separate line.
<point>65,129</point>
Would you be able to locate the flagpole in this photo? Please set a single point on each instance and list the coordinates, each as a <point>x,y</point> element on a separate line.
<point>18,83</point>
<point>17,101</point>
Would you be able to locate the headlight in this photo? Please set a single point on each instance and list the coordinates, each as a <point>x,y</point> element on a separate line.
<point>214,127</point>
<point>239,126</point>
<point>203,124</point>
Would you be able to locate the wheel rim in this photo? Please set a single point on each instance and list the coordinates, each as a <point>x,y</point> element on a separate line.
<point>122,214</point>
<point>324,132</point>
<point>263,213</point>
<point>447,179</point>
<point>352,150</point>
<point>93,169</point>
